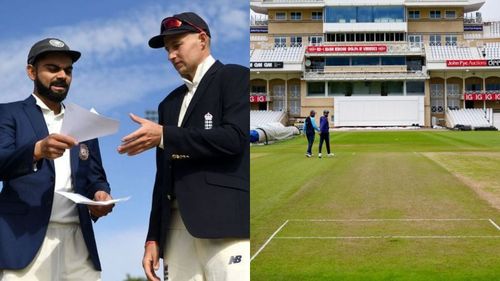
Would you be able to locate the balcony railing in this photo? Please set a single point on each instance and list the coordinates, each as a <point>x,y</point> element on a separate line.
<point>440,94</point>
<point>259,21</point>
<point>317,74</point>
<point>472,18</point>
<point>259,94</point>
<point>402,48</point>
<point>492,92</point>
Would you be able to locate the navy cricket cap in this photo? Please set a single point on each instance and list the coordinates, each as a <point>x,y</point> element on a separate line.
<point>51,45</point>
<point>188,22</point>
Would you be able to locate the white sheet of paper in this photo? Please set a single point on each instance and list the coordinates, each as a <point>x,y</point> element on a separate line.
<point>79,199</point>
<point>83,124</point>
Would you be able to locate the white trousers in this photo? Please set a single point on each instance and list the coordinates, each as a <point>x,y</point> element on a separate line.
<point>62,257</point>
<point>187,258</point>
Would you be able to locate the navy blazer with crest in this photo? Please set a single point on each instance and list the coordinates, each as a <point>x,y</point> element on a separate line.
<point>27,195</point>
<point>205,162</point>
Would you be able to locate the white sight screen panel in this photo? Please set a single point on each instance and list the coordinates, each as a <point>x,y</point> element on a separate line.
<point>378,111</point>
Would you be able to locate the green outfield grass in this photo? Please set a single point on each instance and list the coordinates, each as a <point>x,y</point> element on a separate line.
<point>406,205</point>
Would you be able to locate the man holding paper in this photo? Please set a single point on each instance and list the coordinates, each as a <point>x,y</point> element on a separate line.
<point>44,235</point>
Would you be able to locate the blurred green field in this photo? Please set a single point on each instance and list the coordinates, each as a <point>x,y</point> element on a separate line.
<point>392,205</point>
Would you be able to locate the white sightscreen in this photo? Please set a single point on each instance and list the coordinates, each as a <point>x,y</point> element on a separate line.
<point>379,111</point>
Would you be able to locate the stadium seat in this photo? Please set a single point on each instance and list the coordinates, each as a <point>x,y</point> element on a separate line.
<point>472,117</point>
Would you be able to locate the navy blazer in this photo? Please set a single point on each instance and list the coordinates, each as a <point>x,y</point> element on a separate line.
<point>205,165</point>
<point>27,195</point>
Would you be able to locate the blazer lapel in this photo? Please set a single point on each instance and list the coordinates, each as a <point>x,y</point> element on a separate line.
<point>74,160</point>
<point>35,116</point>
<point>202,88</point>
<point>175,106</point>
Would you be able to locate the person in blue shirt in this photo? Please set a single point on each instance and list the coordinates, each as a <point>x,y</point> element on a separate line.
<point>309,128</point>
<point>324,135</point>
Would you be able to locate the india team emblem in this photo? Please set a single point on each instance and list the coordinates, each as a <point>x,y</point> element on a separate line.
<point>56,43</point>
<point>84,152</point>
<point>208,121</point>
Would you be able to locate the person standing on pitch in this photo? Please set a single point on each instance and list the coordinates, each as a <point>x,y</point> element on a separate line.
<point>200,216</point>
<point>43,235</point>
<point>324,135</point>
<point>310,128</point>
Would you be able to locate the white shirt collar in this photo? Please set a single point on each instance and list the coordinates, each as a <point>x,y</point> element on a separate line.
<point>202,68</point>
<point>45,108</point>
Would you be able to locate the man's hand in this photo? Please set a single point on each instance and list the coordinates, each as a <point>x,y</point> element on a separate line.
<point>150,261</point>
<point>144,138</point>
<point>53,146</point>
<point>100,211</point>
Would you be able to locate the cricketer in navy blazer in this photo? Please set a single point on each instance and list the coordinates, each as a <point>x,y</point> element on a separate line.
<point>27,195</point>
<point>208,170</point>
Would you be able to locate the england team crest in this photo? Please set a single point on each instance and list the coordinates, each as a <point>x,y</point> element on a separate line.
<point>208,121</point>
